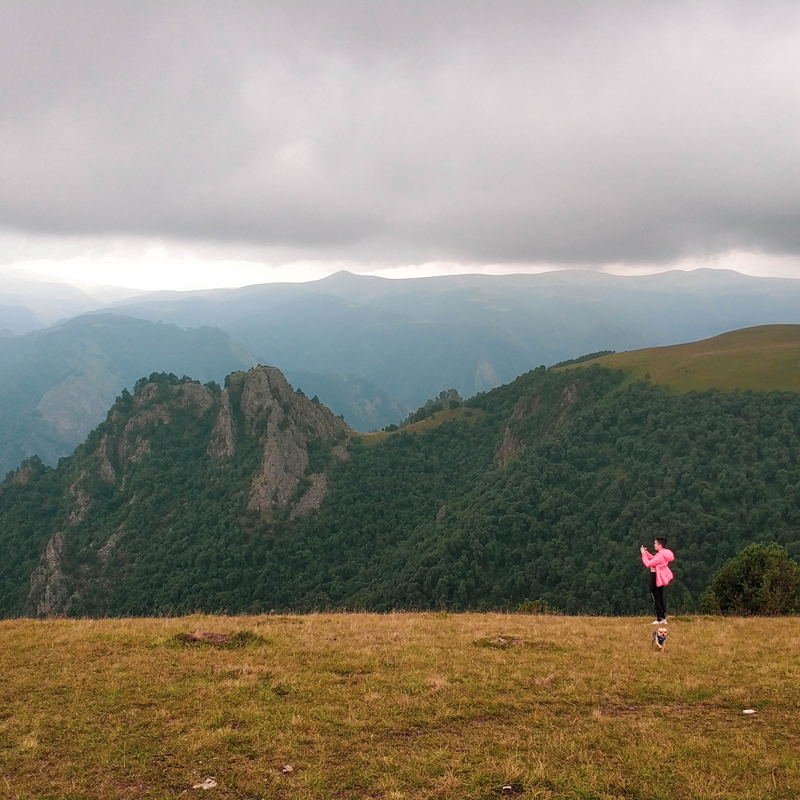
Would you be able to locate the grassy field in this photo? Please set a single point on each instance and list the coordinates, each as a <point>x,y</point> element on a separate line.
<point>762,359</point>
<point>468,415</point>
<point>400,706</point>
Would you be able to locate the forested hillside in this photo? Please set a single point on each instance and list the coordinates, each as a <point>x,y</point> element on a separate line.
<point>540,490</point>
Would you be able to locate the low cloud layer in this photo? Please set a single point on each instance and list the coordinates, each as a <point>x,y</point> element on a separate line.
<point>405,132</point>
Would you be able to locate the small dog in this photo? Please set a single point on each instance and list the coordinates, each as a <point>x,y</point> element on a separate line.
<point>660,638</point>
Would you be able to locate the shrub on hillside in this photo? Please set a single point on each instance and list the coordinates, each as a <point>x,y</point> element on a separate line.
<point>760,580</point>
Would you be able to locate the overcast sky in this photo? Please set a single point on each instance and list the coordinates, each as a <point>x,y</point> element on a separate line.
<point>219,143</point>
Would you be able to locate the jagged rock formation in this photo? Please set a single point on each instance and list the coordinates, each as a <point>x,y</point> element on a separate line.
<point>223,436</point>
<point>568,399</point>
<point>511,448</point>
<point>49,592</point>
<point>82,501</point>
<point>289,420</point>
<point>257,410</point>
<point>312,497</point>
<point>27,470</point>
<point>105,467</point>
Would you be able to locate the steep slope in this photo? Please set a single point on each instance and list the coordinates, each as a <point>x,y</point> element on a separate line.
<point>762,359</point>
<point>56,384</point>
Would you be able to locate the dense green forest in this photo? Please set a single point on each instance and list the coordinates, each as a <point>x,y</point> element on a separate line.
<point>544,492</point>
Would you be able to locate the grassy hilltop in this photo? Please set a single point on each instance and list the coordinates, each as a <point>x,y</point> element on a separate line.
<point>766,358</point>
<point>398,707</point>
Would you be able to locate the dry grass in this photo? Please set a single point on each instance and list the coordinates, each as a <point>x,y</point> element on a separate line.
<point>762,359</point>
<point>468,415</point>
<point>400,706</point>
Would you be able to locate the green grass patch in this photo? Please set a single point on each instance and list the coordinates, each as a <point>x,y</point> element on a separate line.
<point>400,707</point>
<point>764,358</point>
<point>468,415</point>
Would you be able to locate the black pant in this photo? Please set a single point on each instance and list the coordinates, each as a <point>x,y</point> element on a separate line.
<point>657,593</point>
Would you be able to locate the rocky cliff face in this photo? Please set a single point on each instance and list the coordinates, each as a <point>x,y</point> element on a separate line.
<point>49,593</point>
<point>257,409</point>
<point>289,421</point>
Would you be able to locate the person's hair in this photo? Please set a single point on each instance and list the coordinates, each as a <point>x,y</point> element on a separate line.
<point>661,540</point>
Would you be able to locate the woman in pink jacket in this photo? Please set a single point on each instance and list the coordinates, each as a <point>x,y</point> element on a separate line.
<point>660,575</point>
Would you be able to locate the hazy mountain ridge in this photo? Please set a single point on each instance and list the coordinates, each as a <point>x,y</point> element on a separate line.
<point>57,384</point>
<point>374,349</point>
<point>27,305</point>
<point>412,338</point>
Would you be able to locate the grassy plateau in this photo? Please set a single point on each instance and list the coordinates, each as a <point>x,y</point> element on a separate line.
<point>468,415</point>
<point>400,706</point>
<point>762,359</point>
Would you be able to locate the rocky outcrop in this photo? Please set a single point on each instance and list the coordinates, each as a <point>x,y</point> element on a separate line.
<point>104,553</point>
<point>49,591</point>
<point>223,436</point>
<point>312,497</point>
<point>294,435</point>
<point>511,449</point>
<point>132,446</point>
<point>568,399</point>
<point>288,421</point>
<point>192,395</point>
<point>141,448</point>
<point>146,394</point>
<point>27,471</point>
<point>340,452</point>
<point>284,463</point>
<point>131,449</point>
<point>82,501</point>
<point>105,468</point>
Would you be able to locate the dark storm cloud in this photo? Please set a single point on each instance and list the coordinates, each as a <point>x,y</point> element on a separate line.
<point>497,131</point>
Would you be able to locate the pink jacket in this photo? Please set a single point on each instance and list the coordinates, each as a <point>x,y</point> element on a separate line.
<point>660,561</point>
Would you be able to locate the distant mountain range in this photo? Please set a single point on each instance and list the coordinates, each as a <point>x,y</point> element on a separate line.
<point>372,349</point>
<point>27,305</point>
<point>413,338</point>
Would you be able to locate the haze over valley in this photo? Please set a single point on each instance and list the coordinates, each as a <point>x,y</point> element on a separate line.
<point>372,349</point>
